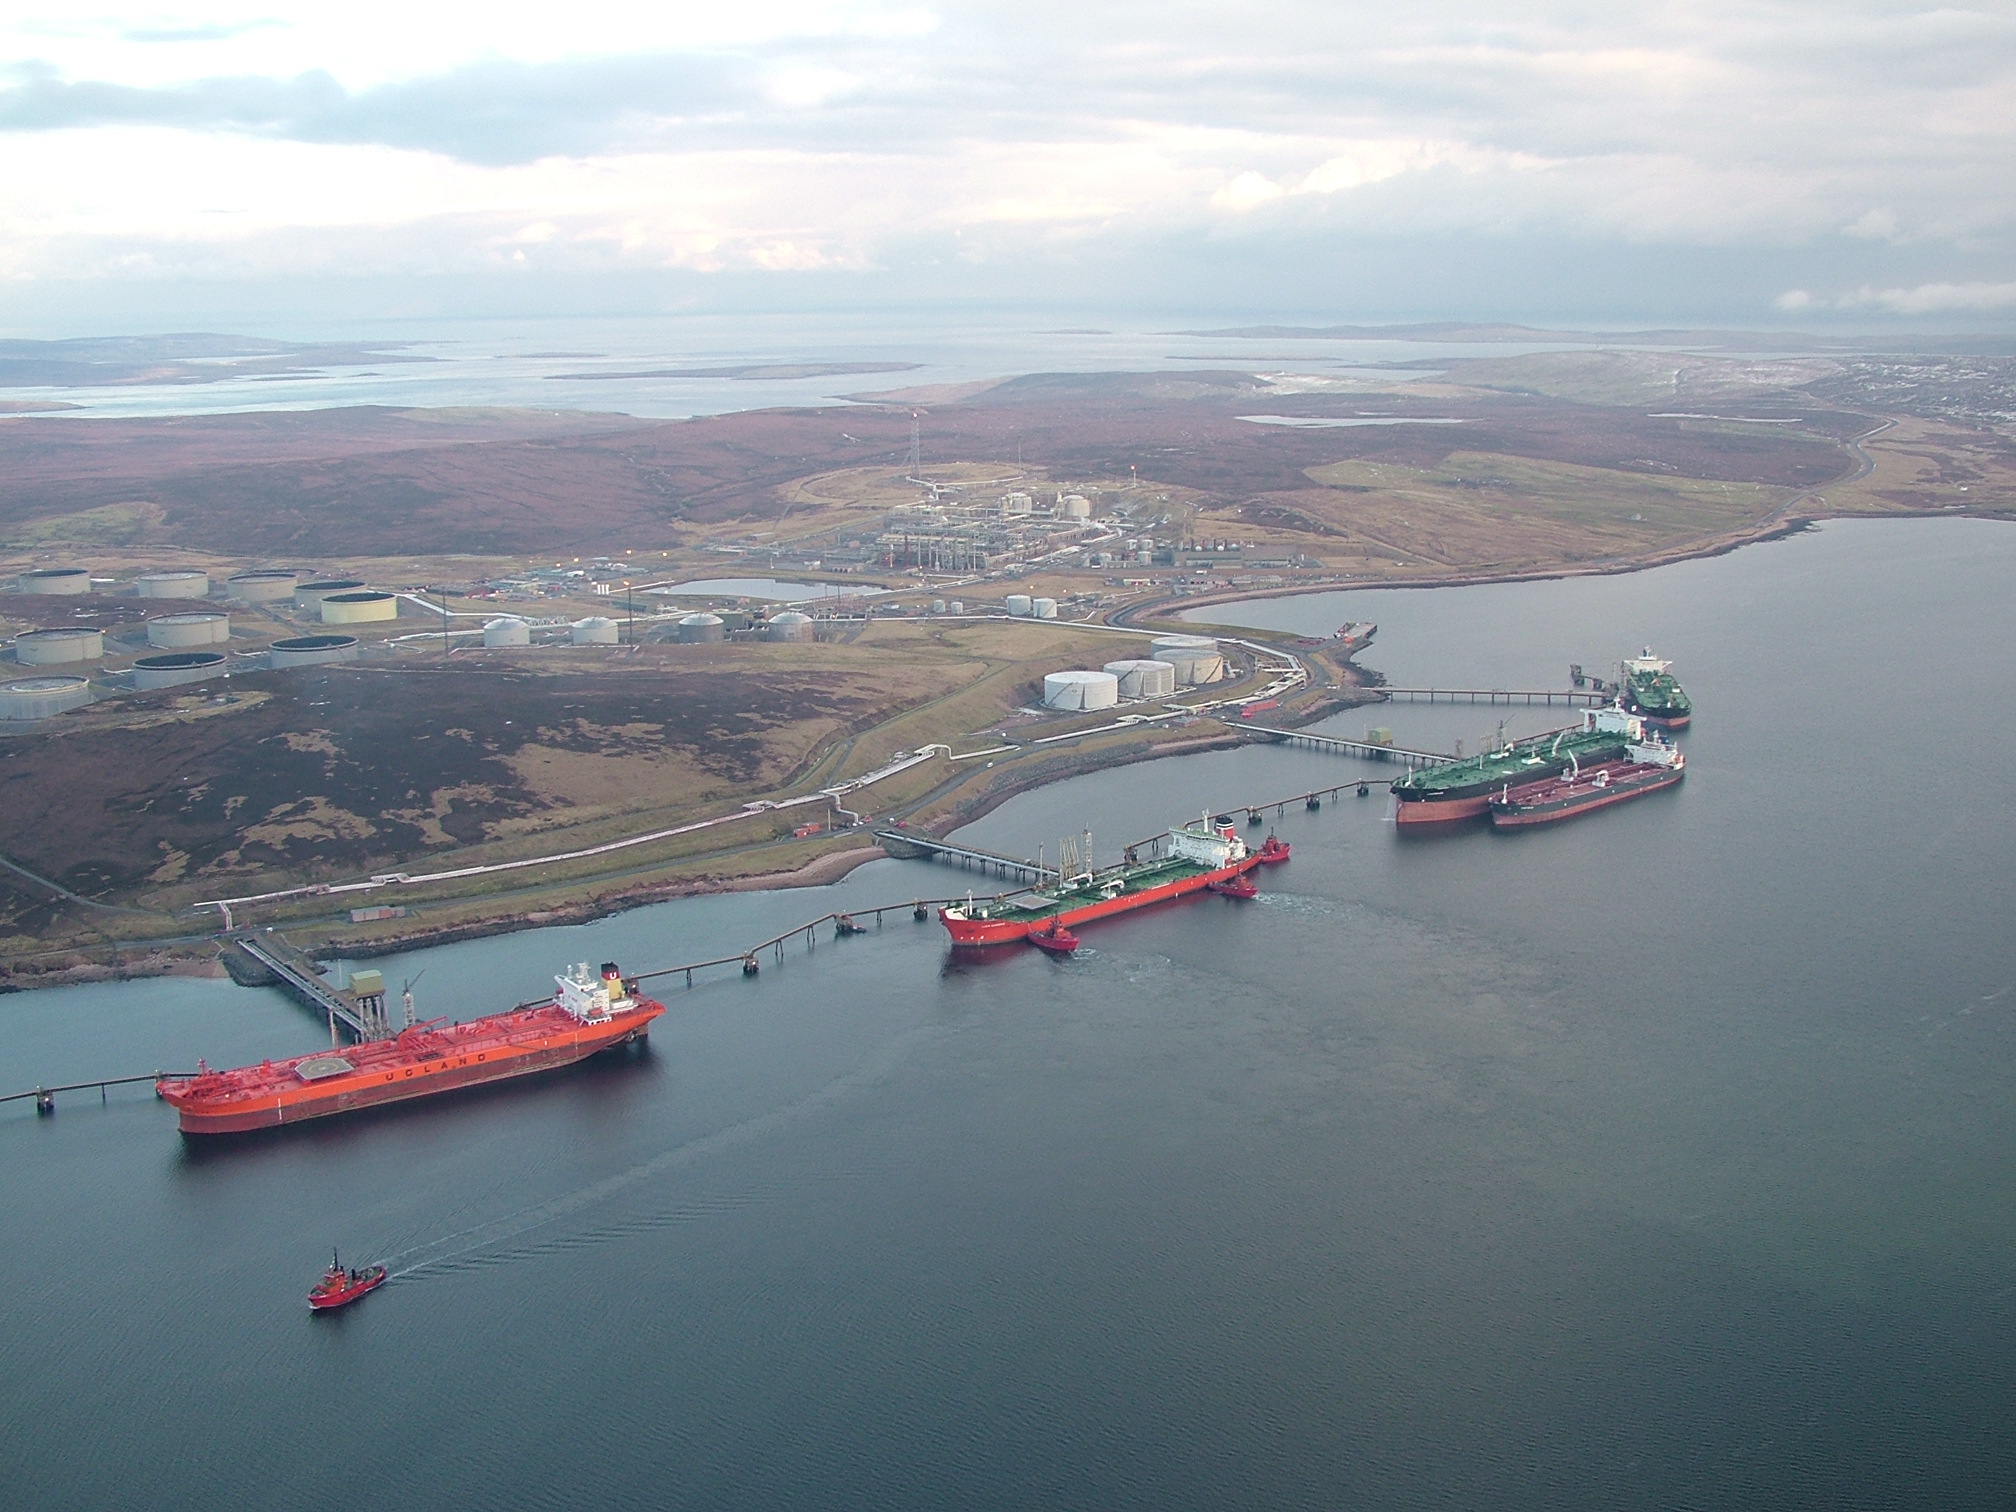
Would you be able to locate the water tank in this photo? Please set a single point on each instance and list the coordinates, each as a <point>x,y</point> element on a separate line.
<point>1043,608</point>
<point>1196,658</point>
<point>182,585</point>
<point>507,631</point>
<point>595,631</point>
<point>310,595</point>
<point>358,608</point>
<point>261,587</point>
<point>55,580</point>
<point>43,697</point>
<point>49,648</point>
<point>789,626</point>
<point>176,668</point>
<point>1018,604</point>
<point>177,630</point>
<point>1144,679</point>
<point>1075,507</point>
<point>1081,690</point>
<point>697,629</point>
<point>311,650</point>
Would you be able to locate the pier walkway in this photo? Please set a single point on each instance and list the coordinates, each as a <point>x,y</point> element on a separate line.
<point>910,845</point>
<point>1365,749</point>
<point>1576,699</point>
<point>297,974</point>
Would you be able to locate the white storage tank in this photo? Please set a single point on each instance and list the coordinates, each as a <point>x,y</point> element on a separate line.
<point>177,630</point>
<point>1018,604</point>
<point>789,626</point>
<point>1075,507</point>
<point>937,606</point>
<point>1144,679</point>
<point>1081,690</point>
<point>507,631</point>
<point>1017,504</point>
<point>310,595</point>
<point>261,587</point>
<point>701,629</point>
<point>176,668</point>
<point>1043,608</point>
<point>50,648</point>
<point>311,650</point>
<point>43,697</point>
<point>1196,658</point>
<point>174,585</point>
<point>55,580</point>
<point>364,608</point>
<point>955,606</point>
<point>596,630</point>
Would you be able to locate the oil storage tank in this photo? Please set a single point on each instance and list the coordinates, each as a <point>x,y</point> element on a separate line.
<point>788,626</point>
<point>1018,604</point>
<point>175,668</point>
<point>596,630</point>
<point>311,650</point>
<point>54,580</point>
<point>355,608</point>
<point>1043,608</point>
<point>43,697</point>
<point>261,587</point>
<point>176,631</point>
<point>1196,658</point>
<point>310,595</point>
<point>507,630</point>
<point>701,629</point>
<point>173,585</point>
<point>51,648</point>
<point>1144,679</point>
<point>1081,690</point>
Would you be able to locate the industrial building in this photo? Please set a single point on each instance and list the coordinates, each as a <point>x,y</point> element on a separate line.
<point>177,631</point>
<point>43,697</point>
<point>50,648</point>
<point>54,580</point>
<point>946,533</point>
<point>172,585</point>
<point>1081,690</point>
<point>151,673</point>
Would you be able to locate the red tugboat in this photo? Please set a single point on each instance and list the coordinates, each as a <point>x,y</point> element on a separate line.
<point>1235,887</point>
<point>1272,852</point>
<point>1056,939</point>
<point>339,1287</point>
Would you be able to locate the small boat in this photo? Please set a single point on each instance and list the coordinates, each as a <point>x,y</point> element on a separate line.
<point>1273,851</point>
<point>339,1287</point>
<point>1057,940</point>
<point>843,924</point>
<point>1235,887</point>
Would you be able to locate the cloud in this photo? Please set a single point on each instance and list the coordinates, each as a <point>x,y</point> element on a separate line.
<point>1934,299</point>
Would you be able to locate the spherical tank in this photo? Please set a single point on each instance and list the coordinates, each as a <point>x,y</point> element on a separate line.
<point>358,608</point>
<point>152,672</point>
<point>175,630</point>
<point>1081,690</point>
<point>173,585</point>
<point>1144,679</point>
<point>310,595</point>
<point>261,587</point>
<point>507,631</point>
<point>595,631</point>
<point>698,629</point>
<point>1018,604</point>
<point>48,648</point>
<point>788,626</point>
<point>43,697</point>
<point>311,650</point>
<point>55,580</point>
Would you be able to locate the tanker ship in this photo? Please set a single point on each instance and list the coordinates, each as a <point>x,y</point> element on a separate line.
<point>1651,692</point>
<point>1194,856</point>
<point>1462,789</point>
<point>1646,768</point>
<point>587,1014</point>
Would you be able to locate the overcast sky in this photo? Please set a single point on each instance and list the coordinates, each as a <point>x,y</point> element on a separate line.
<point>1750,162</point>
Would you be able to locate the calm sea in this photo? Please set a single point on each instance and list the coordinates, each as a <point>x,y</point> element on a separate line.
<point>1663,1160</point>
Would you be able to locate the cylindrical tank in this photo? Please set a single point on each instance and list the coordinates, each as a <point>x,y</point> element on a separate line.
<point>310,595</point>
<point>49,648</point>
<point>696,629</point>
<point>1081,690</point>
<point>261,587</point>
<point>955,606</point>
<point>55,580</point>
<point>176,668</point>
<point>1196,658</point>
<point>1144,679</point>
<point>1076,507</point>
<point>788,626</point>
<point>177,585</point>
<point>311,650</point>
<point>937,606</point>
<point>1043,608</point>
<point>507,631</point>
<point>358,608</point>
<point>176,630</point>
<point>595,631</point>
<point>1018,604</point>
<point>43,697</point>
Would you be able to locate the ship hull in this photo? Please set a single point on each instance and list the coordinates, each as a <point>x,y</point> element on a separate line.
<point>1518,815</point>
<point>1010,931</point>
<point>408,1078</point>
<point>1441,810</point>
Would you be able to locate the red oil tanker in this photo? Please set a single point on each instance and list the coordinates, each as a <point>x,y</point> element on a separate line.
<point>587,1014</point>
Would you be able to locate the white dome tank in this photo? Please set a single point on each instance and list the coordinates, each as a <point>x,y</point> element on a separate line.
<point>596,630</point>
<point>788,626</point>
<point>702,629</point>
<point>1081,690</point>
<point>1144,679</point>
<point>507,631</point>
<point>1196,658</point>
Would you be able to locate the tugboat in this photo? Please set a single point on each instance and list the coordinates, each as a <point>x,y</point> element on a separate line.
<point>339,1287</point>
<point>1057,940</point>
<point>1235,887</point>
<point>1273,851</point>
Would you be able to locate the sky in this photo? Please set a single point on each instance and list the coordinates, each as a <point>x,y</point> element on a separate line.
<point>1748,163</point>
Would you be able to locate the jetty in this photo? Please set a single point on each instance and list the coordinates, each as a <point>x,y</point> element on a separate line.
<point>914,845</point>
<point>1580,698</point>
